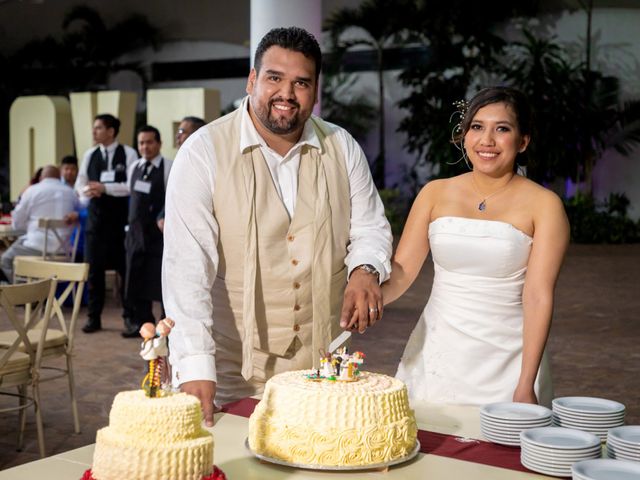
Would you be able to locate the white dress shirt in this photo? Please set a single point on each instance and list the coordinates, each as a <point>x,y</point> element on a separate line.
<point>155,162</point>
<point>46,199</point>
<point>191,232</point>
<point>120,189</point>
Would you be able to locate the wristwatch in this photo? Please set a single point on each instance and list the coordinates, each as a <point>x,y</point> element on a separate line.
<point>369,269</point>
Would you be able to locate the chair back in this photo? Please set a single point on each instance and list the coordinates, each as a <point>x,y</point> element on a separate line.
<point>39,297</point>
<point>75,274</point>
<point>54,224</point>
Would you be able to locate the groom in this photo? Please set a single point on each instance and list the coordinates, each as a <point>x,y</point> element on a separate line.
<point>269,211</point>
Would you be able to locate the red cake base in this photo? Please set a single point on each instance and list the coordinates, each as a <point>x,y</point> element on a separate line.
<point>216,475</point>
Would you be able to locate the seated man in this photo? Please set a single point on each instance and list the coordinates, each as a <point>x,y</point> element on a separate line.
<point>47,199</point>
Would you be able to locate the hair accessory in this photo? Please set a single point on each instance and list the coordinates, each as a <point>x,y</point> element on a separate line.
<point>462,106</point>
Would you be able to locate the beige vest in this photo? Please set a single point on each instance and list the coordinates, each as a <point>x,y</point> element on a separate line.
<point>278,279</point>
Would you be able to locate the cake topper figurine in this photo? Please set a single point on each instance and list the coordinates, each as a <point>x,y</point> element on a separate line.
<point>154,349</point>
<point>340,366</point>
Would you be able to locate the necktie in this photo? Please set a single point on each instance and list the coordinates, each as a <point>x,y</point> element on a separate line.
<point>147,170</point>
<point>105,158</point>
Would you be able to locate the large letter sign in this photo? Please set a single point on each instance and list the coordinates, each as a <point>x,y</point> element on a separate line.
<point>39,134</point>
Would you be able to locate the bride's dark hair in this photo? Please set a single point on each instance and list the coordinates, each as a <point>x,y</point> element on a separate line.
<point>517,100</point>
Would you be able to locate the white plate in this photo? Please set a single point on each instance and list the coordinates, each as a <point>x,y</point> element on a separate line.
<point>627,435</point>
<point>514,427</point>
<point>617,421</point>
<point>611,422</point>
<point>559,438</point>
<point>560,454</point>
<point>501,429</point>
<point>623,446</point>
<point>515,412</point>
<point>585,423</point>
<point>554,460</point>
<point>505,436</point>
<point>607,469</point>
<point>588,405</point>
<point>546,470</point>
<point>622,456</point>
<point>545,464</point>
<point>622,450</point>
<point>499,441</point>
<point>566,411</point>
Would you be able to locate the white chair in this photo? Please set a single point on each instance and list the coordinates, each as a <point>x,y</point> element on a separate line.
<point>53,225</point>
<point>60,337</point>
<point>20,359</point>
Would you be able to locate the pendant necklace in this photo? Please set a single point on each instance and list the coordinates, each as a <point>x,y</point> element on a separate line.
<point>482,206</point>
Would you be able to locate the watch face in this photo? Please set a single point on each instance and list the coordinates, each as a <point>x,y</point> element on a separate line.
<point>369,269</point>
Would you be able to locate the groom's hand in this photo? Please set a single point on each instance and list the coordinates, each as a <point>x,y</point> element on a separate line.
<point>362,305</point>
<point>205,390</point>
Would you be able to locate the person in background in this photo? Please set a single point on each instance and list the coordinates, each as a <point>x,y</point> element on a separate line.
<point>102,185</point>
<point>46,199</point>
<point>69,170</point>
<point>35,178</point>
<point>187,126</point>
<point>143,242</point>
<point>497,241</point>
<point>270,211</point>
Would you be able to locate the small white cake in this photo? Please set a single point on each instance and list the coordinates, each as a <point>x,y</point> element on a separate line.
<point>153,439</point>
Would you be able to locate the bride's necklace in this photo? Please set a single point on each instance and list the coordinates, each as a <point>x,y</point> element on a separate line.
<point>482,206</point>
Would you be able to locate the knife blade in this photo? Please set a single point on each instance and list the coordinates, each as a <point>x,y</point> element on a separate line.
<point>339,341</point>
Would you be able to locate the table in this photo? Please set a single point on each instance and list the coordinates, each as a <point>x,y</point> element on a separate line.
<point>8,235</point>
<point>231,455</point>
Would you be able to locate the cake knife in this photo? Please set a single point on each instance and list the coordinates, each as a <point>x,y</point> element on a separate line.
<point>339,341</point>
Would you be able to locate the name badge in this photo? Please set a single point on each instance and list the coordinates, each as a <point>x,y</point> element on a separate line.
<point>142,186</point>
<point>108,176</point>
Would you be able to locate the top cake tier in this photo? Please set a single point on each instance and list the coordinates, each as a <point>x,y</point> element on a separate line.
<point>371,397</point>
<point>172,418</point>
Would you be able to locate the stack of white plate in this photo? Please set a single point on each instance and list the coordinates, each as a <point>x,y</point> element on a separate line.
<point>552,450</point>
<point>594,415</point>
<point>604,469</point>
<point>623,443</point>
<point>502,422</point>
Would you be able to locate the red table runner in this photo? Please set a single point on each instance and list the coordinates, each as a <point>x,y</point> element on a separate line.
<point>467,449</point>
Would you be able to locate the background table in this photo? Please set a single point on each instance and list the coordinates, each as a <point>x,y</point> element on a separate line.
<point>230,432</point>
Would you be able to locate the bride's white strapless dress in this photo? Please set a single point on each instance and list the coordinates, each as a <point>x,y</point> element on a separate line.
<point>467,345</point>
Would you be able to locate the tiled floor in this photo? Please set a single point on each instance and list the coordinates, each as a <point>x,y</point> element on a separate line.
<point>593,345</point>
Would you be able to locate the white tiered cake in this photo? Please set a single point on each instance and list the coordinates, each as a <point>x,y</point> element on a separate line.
<point>306,419</point>
<point>153,439</point>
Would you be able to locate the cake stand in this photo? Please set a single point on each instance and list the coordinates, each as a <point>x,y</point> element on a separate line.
<point>382,466</point>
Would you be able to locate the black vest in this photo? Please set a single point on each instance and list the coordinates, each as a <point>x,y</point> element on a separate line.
<point>108,214</point>
<point>145,207</point>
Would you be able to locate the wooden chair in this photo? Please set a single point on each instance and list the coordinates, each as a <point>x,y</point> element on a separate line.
<point>70,249</point>
<point>20,360</point>
<point>60,337</point>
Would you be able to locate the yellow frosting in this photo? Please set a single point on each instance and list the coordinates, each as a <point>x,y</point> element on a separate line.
<point>333,423</point>
<point>153,439</point>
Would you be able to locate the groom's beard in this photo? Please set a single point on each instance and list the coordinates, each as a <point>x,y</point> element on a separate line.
<point>278,125</point>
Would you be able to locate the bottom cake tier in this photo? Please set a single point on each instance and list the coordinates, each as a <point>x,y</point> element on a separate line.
<point>119,457</point>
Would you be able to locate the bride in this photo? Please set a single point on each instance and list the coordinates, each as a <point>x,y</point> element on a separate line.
<point>497,242</point>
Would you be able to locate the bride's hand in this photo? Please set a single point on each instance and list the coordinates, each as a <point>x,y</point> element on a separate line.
<point>525,394</point>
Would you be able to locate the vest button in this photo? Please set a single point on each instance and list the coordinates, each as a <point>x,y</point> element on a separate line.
<point>296,328</point>
<point>290,238</point>
<point>296,285</point>
<point>294,262</point>
<point>296,307</point>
